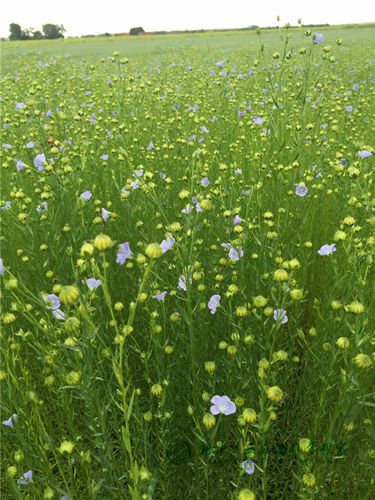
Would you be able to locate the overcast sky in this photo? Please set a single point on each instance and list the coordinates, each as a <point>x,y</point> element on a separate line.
<point>117,16</point>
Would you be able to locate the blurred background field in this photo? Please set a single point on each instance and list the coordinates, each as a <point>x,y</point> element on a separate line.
<point>152,46</point>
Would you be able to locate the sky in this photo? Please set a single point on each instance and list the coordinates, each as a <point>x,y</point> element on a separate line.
<point>81,17</point>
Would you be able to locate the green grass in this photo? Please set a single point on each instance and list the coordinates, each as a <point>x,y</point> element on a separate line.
<point>113,400</point>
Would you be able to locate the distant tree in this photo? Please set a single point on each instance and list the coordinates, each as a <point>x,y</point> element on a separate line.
<point>37,35</point>
<point>136,31</point>
<point>53,31</point>
<point>15,32</point>
<point>28,34</point>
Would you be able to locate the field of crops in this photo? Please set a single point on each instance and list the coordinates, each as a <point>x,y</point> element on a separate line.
<point>187,267</point>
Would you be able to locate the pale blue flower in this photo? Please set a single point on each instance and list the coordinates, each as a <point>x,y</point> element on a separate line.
<point>20,165</point>
<point>222,404</point>
<point>86,195</point>
<point>187,209</point>
<point>39,160</point>
<point>10,421</point>
<point>160,296</point>
<point>182,282</point>
<point>213,303</point>
<point>248,465</point>
<point>364,154</point>
<point>123,254</point>
<point>27,478</point>
<point>52,301</point>
<point>327,249</point>
<point>235,254</point>
<point>318,38</point>
<point>6,205</point>
<point>167,244</point>
<point>280,315</point>
<point>43,207</point>
<point>105,214</point>
<point>257,120</point>
<point>301,190</point>
<point>93,283</point>
<point>59,314</point>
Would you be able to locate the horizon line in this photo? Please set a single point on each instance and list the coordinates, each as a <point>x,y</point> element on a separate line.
<point>205,30</point>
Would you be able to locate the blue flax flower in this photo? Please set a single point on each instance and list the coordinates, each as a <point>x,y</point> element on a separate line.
<point>10,421</point>
<point>39,160</point>
<point>123,254</point>
<point>167,244</point>
<point>160,296</point>
<point>86,195</point>
<point>280,315</point>
<point>364,154</point>
<point>248,465</point>
<point>222,404</point>
<point>301,190</point>
<point>93,283</point>
<point>213,303</point>
<point>318,38</point>
<point>327,249</point>
<point>26,478</point>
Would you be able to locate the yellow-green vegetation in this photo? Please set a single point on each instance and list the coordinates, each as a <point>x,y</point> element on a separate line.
<point>187,267</point>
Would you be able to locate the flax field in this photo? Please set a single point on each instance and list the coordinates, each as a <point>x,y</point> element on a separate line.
<point>187,267</point>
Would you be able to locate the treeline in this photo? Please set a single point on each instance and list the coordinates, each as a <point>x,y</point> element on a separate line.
<point>49,32</point>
